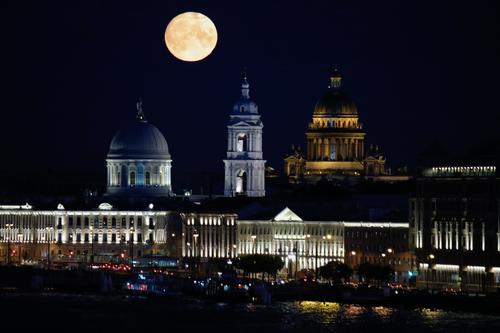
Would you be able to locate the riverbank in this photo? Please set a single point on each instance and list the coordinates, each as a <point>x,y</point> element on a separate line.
<point>34,282</point>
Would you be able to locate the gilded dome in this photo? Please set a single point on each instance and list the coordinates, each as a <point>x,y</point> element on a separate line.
<point>334,102</point>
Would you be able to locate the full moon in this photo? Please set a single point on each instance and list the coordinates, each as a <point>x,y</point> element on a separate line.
<point>191,36</point>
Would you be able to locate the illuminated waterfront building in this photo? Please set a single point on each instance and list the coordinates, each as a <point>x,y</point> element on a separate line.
<point>455,227</point>
<point>310,244</point>
<point>207,235</point>
<point>91,235</point>
<point>380,243</point>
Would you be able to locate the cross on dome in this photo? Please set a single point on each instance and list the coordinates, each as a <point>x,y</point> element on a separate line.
<point>140,113</point>
<point>245,87</point>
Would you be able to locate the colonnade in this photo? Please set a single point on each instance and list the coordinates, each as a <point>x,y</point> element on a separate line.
<point>335,149</point>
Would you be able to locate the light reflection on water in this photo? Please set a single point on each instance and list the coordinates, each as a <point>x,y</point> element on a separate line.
<point>330,316</point>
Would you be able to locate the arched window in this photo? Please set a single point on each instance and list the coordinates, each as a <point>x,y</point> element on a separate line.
<point>241,143</point>
<point>242,109</point>
<point>241,182</point>
<point>148,178</point>
<point>132,178</point>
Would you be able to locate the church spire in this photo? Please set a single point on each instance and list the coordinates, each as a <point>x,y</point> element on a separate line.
<point>245,87</point>
<point>335,79</point>
<point>140,113</point>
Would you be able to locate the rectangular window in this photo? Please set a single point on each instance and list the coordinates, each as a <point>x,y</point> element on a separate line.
<point>96,238</point>
<point>86,238</point>
<point>113,222</point>
<point>59,238</point>
<point>124,222</point>
<point>59,223</point>
<point>78,221</point>
<point>104,238</point>
<point>139,238</point>
<point>131,222</point>
<point>86,221</point>
<point>104,222</point>
<point>139,222</point>
<point>333,152</point>
<point>70,221</point>
<point>113,238</point>
<point>78,238</point>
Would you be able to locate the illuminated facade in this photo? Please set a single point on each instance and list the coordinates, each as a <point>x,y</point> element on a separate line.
<point>311,244</point>
<point>335,138</point>
<point>301,244</point>
<point>208,235</point>
<point>138,161</point>
<point>336,143</point>
<point>455,227</point>
<point>244,164</point>
<point>79,236</point>
<point>380,243</point>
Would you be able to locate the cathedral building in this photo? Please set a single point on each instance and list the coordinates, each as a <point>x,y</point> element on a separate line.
<point>138,161</point>
<point>244,164</point>
<point>335,142</point>
<point>335,137</point>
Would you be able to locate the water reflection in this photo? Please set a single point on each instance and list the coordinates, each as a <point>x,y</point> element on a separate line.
<point>335,317</point>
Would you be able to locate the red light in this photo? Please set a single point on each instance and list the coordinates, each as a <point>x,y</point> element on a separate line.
<point>122,255</point>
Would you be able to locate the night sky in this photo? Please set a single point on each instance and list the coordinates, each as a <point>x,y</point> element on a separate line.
<point>74,70</point>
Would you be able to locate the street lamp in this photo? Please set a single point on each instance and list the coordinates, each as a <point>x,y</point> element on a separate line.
<point>195,250</point>
<point>47,235</point>
<point>429,269</point>
<point>91,244</point>
<point>9,227</point>
<point>19,239</point>
<point>131,241</point>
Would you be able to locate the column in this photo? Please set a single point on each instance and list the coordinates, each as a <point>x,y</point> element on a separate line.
<point>356,149</point>
<point>309,148</point>
<point>320,149</point>
<point>327,149</point>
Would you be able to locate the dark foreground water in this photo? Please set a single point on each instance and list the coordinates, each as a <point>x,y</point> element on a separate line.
<point>70,313</point>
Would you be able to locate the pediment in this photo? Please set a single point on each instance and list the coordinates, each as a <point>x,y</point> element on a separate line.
<point>287,215</point>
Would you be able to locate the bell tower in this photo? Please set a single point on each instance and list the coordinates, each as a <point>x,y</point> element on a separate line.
<point>244,165</point>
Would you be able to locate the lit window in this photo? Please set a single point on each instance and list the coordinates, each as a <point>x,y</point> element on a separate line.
<point>241,143</point>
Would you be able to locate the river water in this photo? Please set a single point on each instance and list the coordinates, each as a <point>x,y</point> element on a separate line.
<point>95,313</point>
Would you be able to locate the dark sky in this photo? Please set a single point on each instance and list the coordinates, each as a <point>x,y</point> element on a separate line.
<point>74,70</point>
